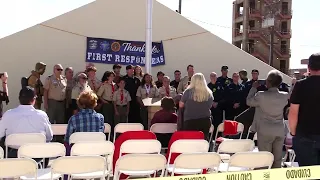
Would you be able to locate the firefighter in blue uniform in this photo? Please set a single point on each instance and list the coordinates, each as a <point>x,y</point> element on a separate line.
<point>216,112</point>
<point>236,98</point>
<point>223,81</point>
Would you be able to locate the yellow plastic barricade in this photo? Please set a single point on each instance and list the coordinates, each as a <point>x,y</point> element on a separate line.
<point>307,172</point>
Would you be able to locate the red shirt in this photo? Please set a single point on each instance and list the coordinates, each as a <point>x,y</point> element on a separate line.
<point>163,116</point>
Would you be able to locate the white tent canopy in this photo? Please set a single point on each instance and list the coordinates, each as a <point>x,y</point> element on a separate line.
<point>63,40</point>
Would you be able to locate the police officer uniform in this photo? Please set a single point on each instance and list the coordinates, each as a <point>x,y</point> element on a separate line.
<point>183,84</point>
<point>106,92</point>
<point>223,82</point>
<point>235,94</point>
<point>121,100</point>
<point>132,84</point>
<point>216,113</point>
<point>35,82</point>
<point>168,92</point>
<point>56,88</point>
<point>146,91</point>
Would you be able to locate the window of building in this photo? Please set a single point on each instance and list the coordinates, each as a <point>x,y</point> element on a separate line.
<point>285,7</point>
<point>283,64</point>
<point>252,4</point>
<point>252,24</point>
<point>284,26</point>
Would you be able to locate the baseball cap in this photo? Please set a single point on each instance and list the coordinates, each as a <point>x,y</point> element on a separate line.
<point>224,68</point>
<point>27,92</point>
<point>129,67</point>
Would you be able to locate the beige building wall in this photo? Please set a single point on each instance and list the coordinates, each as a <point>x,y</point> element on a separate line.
<point>184,42</point>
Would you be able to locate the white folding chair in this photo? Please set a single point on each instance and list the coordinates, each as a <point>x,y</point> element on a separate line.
<point>107,129</point>
<point>59,129</point>
<point>140,146</point>
<point>199,161</point>
<point>41,151</point>
<point>137,165</point>
<point>164,128</point>
<point>211,133</point>
<point>292,157</point>
<point>186,146</point>
<point>123,127</point>
<point>255,134</point>
<point>232,146</point>
<point>1,153</point>
<point>101,148</point>
<point>244,161</point>
<point>16,167</point>
<point>17,140</point>
<point>220,129</point>
<point>77,165</point>
<point>87,137</point>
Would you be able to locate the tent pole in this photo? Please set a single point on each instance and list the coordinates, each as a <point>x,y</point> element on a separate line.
<point>148,52</point>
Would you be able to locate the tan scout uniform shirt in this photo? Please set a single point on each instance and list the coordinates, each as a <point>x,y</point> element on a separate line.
<point>183,84</point>
<point>117,97</point>
<point>79,89</point>
<point>56,87</point>
<point>70,84</point>
<point>143,93</point>
<point>163,92</point>
<point>94,84</point>
<point>106,92</point>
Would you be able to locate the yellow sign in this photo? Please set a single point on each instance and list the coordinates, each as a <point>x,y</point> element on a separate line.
<point>307,172</point>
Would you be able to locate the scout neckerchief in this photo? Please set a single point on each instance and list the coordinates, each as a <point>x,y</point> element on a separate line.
<point>168,91</point>
<point>121,96</point>
<point>147,89</point>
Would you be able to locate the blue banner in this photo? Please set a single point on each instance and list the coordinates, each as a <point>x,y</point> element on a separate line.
<point>110,51</point>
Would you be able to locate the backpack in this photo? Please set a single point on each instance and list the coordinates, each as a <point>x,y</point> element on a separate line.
<point>24,81</point>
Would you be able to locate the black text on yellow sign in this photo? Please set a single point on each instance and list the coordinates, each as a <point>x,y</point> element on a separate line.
<point>307,172</point>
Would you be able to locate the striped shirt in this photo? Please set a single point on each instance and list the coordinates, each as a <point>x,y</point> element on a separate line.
<point>86,120</point>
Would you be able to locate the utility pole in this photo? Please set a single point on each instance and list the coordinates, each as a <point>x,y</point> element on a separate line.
<point>180,4</point>
<point>271,45</point>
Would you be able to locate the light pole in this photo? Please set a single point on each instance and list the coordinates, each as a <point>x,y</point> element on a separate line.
<point>148,51</point>
<point>180,4</point>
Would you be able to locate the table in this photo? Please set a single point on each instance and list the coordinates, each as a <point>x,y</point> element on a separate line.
<point>153,105</point>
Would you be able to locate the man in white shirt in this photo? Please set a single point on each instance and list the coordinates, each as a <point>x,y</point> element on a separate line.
<point>25,118</point>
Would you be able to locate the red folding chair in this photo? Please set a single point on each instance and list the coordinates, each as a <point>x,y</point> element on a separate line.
<point>129,135</point>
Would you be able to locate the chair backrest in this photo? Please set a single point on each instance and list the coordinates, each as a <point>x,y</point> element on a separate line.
<point>42,150</point>
<point>87,137</point>
<point>124,127</point>
<point>255,137</point>
<point>236,145</point>
<point>164,128</point>
<point>99,148</point>
<point>59,129</point>
<point>190,146</point>
<point>203,160</point>
<point>140,146</point>
<point>211,130</point>
<point>17,140</point>
<point>16,167</point>
<point>1,153</point>
<point>220,129</point>
<point>251,160</point>
<point>140,162</point>
<point>107,129</point>
<point>78,165</point>
<point>129,135</point>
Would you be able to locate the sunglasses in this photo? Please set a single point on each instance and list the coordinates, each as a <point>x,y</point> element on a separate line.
<point>59,69</point>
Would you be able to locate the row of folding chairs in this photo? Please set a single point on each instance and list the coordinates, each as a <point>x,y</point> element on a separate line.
<point>195,151</point>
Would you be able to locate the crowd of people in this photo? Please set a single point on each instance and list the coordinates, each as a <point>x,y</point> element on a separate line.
<point>85,103</point>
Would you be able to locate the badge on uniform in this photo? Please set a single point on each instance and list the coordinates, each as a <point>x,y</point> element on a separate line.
<point>226,82</point>
<point>214,89</point>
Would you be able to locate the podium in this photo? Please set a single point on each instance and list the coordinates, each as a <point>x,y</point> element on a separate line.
<point>153,105</point>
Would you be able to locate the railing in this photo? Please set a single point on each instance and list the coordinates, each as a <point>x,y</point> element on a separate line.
<point>284,33</point>
<point>254,33</point>
<point>254,13</point>
<point>285,14</point>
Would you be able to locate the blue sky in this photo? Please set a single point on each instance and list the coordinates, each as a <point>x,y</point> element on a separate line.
<point>213,15</point>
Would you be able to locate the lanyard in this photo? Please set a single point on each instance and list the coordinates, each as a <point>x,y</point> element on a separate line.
<point>147,89</point>
<point>121,96</point>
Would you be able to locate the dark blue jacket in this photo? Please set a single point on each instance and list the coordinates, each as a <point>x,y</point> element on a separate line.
<point>217,91</point>
<point>235,93</point>
<point>224,82</point>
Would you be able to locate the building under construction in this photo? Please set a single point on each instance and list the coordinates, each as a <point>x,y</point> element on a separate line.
<point>263,29</point>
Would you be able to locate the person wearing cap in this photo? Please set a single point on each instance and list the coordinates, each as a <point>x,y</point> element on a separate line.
<point>25,119</point>
<point>304,115</point>
<point>132,85</point>
<point>35,82</point>
<point>185,81</point>
<point>224,81</point>
<point>243,76</point>
<point>117,69</point>
<point>81,86</point>
<point>55,87</point>
<point>159,82</point>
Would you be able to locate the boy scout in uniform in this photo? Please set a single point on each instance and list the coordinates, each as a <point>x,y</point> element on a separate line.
<point>80,87</point>
<point>105,93</point>
<point>185,81</point>
<point>55,95</point>
<point>146,90</point>
<point>35,82</point>
<point>121,101</point>
<point>166,89</point>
